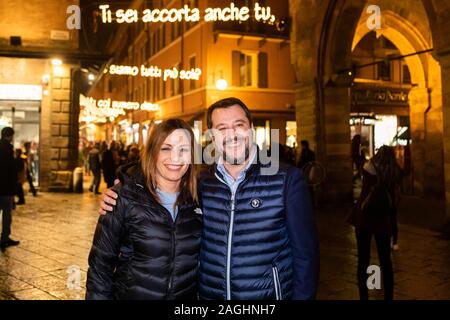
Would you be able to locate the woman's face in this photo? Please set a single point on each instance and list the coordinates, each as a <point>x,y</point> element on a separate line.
<point>174,156</point>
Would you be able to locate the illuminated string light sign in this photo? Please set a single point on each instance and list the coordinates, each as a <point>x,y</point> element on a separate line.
<point>231,13</point>
<point>99,110</point>
<point>124,105</point>
<point>155,72</point>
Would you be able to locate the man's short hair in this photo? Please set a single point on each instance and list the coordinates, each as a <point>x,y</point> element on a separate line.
<point>7,132</point>
<point>304,143</point>
<point>226,103</point>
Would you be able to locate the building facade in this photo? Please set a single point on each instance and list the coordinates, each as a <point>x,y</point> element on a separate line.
<point>36,85</point>
<point>411,48</point>
<point>249,60</point>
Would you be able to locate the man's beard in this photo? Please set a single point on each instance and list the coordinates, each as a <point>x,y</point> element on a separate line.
<point>236,160</point>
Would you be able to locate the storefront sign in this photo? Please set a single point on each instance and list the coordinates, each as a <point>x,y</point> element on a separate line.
<point>382,96</point>
<point>231,13</point>
<point>20,92</point>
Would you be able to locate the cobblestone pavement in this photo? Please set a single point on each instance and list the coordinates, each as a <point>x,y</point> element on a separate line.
<point>56,232</point>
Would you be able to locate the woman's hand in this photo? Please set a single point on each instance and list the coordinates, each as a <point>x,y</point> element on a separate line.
<point>108,200</point>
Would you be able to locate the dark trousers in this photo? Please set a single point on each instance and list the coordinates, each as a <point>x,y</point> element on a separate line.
<point>30,182</point>
<point>96,181</point>
<point>6,204</point>
<point>20,193</point>
<point>383,241</point>
<point>394,226</point>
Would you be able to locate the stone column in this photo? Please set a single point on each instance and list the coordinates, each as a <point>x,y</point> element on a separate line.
<point>338,185</point>
<point>418,104</point>
<point>59,152</point>
<point>305,110</point>
<point>445,73</point>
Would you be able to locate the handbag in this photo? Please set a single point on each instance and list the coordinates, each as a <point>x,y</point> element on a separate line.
<point>378,201</point>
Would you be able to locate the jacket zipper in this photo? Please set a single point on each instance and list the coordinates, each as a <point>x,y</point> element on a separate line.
<point>173,241</point>
<point>276,281</point>
<point>172,258</point>
<point>229,241</point>
<point>173,245</point>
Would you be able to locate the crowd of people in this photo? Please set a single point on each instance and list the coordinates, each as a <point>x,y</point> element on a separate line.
<point>100,158</point>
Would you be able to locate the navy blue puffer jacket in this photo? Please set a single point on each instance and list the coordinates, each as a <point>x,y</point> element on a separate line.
<point>261,242</point>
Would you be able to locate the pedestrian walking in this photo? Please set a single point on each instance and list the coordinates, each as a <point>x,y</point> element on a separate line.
<point>374,215</point>
<point>95,167</point>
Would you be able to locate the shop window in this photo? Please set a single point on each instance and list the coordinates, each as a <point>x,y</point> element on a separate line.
<point>291,134</point>
<point>135,128</point>
<point>249,69</point>
<point>262,133</point>
<point>406,75</point>
<point>385,130</point>
<point>384,71</point>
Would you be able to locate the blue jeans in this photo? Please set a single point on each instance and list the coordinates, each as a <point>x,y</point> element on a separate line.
<point>6,204</point>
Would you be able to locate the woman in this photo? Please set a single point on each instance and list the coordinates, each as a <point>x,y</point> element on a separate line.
<point>148,247</point>
<point>375,214</point>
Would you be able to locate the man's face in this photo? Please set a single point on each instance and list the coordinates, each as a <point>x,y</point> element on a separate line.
<point>232,134</point>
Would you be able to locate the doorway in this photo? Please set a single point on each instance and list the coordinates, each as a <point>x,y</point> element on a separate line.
<point>24,117</point>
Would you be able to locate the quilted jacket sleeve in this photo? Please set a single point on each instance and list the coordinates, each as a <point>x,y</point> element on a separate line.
<point>105,252</point>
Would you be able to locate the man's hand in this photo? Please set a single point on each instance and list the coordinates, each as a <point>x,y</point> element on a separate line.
<point>108,200</point>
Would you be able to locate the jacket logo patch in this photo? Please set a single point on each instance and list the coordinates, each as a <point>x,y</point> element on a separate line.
<point>198,211</point>
<point>255,203</point>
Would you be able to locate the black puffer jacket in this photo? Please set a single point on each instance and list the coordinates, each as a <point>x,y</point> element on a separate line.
<point>8,170</point>
<point>139,252</point>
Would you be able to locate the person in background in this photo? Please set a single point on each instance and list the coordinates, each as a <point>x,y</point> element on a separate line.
<point>8,184</point>
<point>95,167</point>
<point>123,155</point>
<point>87,148</point>
<point>29,159</point>
<point>133,154</point>
<point>109,167</point>
<point>21,167</point>
<point>306,155</point>
<point>374,215</point>
<point>114,147</point>
<point>357,156</point>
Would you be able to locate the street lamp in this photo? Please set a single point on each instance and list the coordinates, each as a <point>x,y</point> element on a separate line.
<point>56,62</point>
<point>221,84</point>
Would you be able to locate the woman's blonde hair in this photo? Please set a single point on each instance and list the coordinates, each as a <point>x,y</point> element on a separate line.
<point>158,134</point>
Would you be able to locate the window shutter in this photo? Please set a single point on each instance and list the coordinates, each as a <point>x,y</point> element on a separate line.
<point>235,79</point>
<point>262,70</point>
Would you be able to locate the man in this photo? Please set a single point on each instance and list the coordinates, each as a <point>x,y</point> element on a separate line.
<point>306,156</point>
<point>8,182</point>
<point>29,166</point>
<point>20,164</point>
<point>95,167</point>
<point>259,237</point>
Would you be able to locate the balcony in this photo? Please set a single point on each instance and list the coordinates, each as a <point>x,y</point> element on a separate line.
<point>278,30</point>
